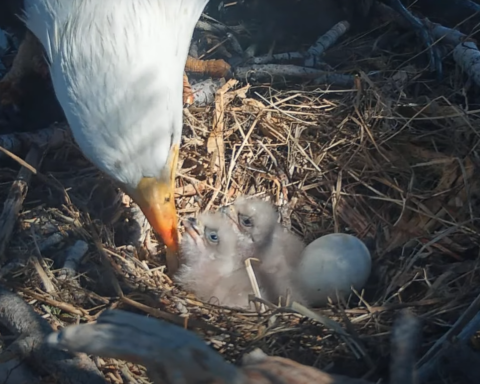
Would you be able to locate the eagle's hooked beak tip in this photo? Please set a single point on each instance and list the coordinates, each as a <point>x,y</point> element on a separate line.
<point>156,199</point>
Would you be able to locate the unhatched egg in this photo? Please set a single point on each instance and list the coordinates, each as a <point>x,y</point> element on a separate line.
<point>330,265</point>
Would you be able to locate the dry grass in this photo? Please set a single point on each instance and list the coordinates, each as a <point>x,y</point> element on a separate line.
<point>393,161</point>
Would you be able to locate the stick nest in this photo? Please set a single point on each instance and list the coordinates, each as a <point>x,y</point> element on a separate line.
<point>393,160</point>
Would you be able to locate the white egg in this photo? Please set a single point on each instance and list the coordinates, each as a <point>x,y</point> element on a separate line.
<point>330,265</point>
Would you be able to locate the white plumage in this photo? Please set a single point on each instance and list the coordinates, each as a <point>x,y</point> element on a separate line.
<point>262,237</point>
<point>117,71</point>
<point>117,68</point>
<point>213,265</point>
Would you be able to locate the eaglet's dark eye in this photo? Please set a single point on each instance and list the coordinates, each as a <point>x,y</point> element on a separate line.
<point>245,220</point>
<point>211,235</point>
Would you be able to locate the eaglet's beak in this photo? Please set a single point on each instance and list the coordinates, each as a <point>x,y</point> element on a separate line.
<point>231,213</point>
<point>196,230</point>
<point>192,227</point>
<point>156,199</point>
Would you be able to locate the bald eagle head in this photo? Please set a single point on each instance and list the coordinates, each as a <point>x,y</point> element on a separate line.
<point>117,69</point>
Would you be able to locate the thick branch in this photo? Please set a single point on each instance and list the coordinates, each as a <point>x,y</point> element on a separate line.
<point>463,361</point>
<point>170,353</point>
<point>32,329</point>
<point>463,329</point>
<point>174,355</point>
<point>405,342</point>
<point>15,372</point>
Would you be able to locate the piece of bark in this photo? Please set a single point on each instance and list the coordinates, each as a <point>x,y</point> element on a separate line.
<point>465,53</point>
<point>268,71</point>
<point>467,56</point>
<point>446,35</point>
<point>214,26</point>
<point>17,372</point>
<point>14,202</point>
<point>326,41</point>
<point>337,79</point>
<point>278,57</point>
<point>191,189</point>
<point>312,58</point>
<point>31,330</point>
<point>52,137</point>
<point>173,355</point>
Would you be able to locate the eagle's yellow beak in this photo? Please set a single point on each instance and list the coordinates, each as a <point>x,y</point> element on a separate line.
<point>156,198</point>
